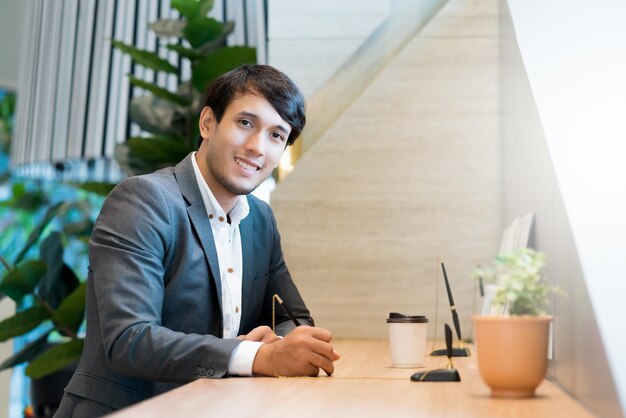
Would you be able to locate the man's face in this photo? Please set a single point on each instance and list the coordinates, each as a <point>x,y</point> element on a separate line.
<point>241,151</point>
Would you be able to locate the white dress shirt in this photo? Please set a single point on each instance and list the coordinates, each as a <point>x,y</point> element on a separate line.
<point>227,237</point>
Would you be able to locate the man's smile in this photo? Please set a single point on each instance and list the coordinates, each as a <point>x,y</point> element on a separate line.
<point>247,165</point>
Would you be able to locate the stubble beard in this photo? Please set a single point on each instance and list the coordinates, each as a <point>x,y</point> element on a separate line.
<point>231,186</point>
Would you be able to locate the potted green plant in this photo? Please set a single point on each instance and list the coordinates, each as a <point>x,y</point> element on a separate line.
<point>512,344</point>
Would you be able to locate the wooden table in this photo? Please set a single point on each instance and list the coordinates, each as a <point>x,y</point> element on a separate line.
<point>364,385</point>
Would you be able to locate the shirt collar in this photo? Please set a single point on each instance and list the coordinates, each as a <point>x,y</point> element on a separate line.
<point>213,208</point>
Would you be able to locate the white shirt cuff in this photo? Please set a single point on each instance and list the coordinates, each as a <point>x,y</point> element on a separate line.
<point>240,363</point>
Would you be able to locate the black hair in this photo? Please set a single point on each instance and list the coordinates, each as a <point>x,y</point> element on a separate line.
<point>265,81</point>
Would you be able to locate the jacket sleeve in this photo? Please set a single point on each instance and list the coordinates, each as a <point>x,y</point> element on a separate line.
<point>130,240</point>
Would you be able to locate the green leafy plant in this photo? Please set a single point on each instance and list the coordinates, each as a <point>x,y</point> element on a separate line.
<point>170,118</point>
<point>50,300</point>
<point>7,108</point>
<point>521,289</point>
<point>49,296</point>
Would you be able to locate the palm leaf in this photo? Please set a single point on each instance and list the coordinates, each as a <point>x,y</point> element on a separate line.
<point>22,322</point>
<point>159,91</point>
<point>55,359</point>
<point>29,352</point>
<point>71,312</point>
<point>22,281</point>
<point>221,61</point>
<point>146,58</point>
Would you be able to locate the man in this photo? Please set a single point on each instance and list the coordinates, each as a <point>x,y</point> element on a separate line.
<point>184,263</point>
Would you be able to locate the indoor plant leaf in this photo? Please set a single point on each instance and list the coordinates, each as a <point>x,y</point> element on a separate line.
<point>71,312</point>
<point>22,280</point>
<point>29,352</point>
<point>158,149</point>
<point>54,289</point>
<point>219,42</point>
<point>152,114</point>
<point>24,198</point>
<point>190,53</point>
<point>146,58</point>
<point>34,236</point>
<point>59,280</point>
<point>22,322</point>
<point>192,8</point>
<point>167,28</point>
<point>131,165</point>
<point>202,30</point>
<point>221,61</point>
<point>144,155</point>
<point>55,358</point>
<point>99,188</point>
<point>51,252</point>
<point>159,91</point>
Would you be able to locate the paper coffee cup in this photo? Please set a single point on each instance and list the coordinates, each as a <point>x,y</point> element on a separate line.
<point>407,339</point>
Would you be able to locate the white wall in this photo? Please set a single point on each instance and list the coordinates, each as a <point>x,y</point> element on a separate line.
<point>574,56</point>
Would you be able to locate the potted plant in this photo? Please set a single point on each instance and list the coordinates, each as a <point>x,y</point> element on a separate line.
<point>512,345</point>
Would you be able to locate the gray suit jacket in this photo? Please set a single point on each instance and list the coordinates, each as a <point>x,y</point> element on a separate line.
<point>153,297</point>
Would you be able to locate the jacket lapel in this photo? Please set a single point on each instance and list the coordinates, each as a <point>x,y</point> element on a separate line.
<point>197,214</point>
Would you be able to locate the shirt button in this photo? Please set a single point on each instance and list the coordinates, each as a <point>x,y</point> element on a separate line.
<point>236,309</point>
<point>221,219</point>
<point>230,269</point>
<point>210,216</point>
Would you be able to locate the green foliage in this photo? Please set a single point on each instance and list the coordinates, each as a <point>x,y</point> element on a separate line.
<point>170,118</point>
<point>55,358</point>
<point>145,58</point>
<point>49,296</point>
<point>28,353</point>
<point>521,288</point>
<point>7,109</point>
<point>22,322</point>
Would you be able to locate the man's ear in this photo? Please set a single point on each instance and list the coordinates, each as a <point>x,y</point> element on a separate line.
<point>206,122</point>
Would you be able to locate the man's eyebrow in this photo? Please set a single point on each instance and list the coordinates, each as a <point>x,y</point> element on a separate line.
<point>254,116</point>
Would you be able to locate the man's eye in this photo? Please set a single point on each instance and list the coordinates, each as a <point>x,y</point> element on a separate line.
<point>245,122</point>
<point>278,136</point>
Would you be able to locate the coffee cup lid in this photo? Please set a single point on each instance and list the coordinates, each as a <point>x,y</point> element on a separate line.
<point>397,317</point>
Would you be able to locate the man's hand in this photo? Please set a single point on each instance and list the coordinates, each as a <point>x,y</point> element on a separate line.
<point>303,352</point>
<point>263,334</point>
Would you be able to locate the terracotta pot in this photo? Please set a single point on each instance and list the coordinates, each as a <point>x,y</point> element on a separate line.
<point>512,353</point>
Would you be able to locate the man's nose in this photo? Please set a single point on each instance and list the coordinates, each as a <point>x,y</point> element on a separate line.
<point>256,143</point>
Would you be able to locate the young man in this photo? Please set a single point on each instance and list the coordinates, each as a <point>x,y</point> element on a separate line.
<point>184,262</point>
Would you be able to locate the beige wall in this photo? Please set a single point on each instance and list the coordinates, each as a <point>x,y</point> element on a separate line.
<point>408,173</point>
